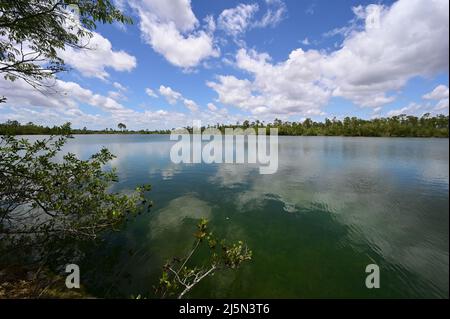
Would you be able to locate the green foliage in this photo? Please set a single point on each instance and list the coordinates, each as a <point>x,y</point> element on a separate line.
<point>15,128</point>
<point>121,126</point>
<point>32,31</point>
<point>50,202</point>
<point>395,126</point>
<point>178,277</point>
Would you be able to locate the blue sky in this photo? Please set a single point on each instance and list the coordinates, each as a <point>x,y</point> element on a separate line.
<point>227,61</point>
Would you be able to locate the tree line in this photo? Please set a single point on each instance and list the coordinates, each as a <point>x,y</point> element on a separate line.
<point>16,128</point>
<point>395,126</point>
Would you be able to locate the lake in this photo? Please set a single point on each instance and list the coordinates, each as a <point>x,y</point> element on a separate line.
<point>335,205</point>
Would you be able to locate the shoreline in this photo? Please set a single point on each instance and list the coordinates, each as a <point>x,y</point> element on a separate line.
<point>279,135</point>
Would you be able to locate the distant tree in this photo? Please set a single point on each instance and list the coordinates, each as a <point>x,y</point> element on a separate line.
<point>277,122</point>
<point>121,126</point>
<point>31,32</point>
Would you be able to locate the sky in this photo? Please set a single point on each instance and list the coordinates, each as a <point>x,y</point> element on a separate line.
<point>223,61</point>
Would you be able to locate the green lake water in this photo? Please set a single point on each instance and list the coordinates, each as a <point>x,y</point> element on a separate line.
<point>335,205</point>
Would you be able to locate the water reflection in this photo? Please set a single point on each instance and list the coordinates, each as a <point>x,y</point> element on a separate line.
<point>171,217</point>
<point>334,205</point>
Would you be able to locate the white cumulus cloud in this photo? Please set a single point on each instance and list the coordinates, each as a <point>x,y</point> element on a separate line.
<point>236,20</point>
<point>172,30</point>
<point>412,108</point>
<point>191,105</point>
<point>441,94</point>
<point>170,95</point>
<point>173,97</point>
<point>99,55</point>
<point>61,95</point>
<point>150,92</point>
<point>212,107</point>
<point>369,68</point>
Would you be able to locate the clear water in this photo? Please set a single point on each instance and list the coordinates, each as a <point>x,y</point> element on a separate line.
<point>335,205</point>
